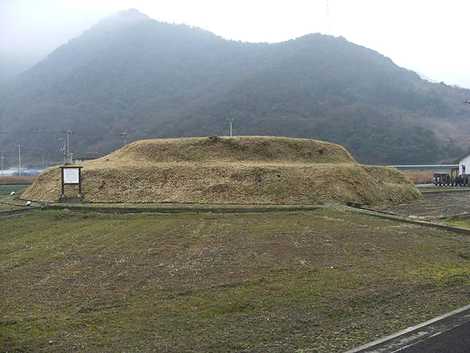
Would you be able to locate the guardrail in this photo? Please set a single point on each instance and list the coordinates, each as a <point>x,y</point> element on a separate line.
<point>424,166</point>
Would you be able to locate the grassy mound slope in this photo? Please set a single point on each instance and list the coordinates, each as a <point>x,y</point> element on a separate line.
<point>321,281</point>
<point>241,170</point>
<point>236,149</point>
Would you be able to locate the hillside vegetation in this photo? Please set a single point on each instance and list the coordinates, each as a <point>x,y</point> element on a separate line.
<point>150,79</point>
<point>239,170</point>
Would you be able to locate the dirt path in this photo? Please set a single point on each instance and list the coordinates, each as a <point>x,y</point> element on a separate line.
<point>436,205</point>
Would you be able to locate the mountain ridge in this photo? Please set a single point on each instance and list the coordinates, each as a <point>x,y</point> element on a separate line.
<point>132,74</point>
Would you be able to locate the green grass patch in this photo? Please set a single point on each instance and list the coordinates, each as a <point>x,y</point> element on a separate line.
<point>319,281</point>
<point>7,202</point>
<point>458,222</point>
<point>7,189</point>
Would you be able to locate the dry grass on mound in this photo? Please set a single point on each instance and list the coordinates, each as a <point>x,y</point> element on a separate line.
<point>273,171</point>
<point>235,149</point>
<point>234,184</point>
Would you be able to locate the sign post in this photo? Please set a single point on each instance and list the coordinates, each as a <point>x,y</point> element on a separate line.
<point>71,175</point>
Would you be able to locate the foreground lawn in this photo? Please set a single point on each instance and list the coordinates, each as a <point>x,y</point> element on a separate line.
<point>459,221</point>
<point>320,281</point>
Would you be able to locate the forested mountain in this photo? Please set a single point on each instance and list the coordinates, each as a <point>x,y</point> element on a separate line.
<point>132,74</point>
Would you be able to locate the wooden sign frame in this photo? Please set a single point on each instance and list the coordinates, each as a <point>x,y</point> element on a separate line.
<point>64,182</point>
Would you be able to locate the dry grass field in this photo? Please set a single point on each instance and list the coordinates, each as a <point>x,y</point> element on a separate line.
<point>419,177</point>
<point>306,282</point>
<point>16,180</point>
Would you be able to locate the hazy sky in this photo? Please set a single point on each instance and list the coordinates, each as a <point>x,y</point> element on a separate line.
<point>428,36</point>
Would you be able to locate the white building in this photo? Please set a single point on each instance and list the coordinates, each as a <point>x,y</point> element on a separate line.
<point>464,165</point>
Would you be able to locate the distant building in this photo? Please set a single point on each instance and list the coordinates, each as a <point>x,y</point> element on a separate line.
<point>464,165</point>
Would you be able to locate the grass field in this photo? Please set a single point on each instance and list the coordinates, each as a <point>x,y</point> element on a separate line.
<point>419,176</point>
<point>7,207</point>
<point>16,180</point>
<point>5,190</point>
<point>6,200</point>
<point>463,222</point>
<point>320,281</point>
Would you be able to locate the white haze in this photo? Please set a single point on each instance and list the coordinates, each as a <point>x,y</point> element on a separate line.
<point>428,36</point>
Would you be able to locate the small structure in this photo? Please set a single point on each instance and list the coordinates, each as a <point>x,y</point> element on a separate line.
<point>464,165</point>
<point>71,175</point>
<point>458,175</point>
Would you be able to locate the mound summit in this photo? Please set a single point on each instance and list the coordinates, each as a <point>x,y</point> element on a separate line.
<point>237,170</point>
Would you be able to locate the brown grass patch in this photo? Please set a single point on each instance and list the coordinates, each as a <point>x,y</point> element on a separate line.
<point>16,180</point>
<point>419,176</point>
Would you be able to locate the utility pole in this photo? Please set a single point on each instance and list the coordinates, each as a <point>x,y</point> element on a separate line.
<point>328,18</point>
<point>124,136</point>
<point>63,149</point>
<point>231,126</point>
<point>2,162</point>
<point>2,157</point>
<point>19,160</point>
<point>67,154</point>
<point>43,161</point>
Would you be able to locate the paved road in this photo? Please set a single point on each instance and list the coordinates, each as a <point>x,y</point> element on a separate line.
<point>454,341</point>
<point>448,333</point>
